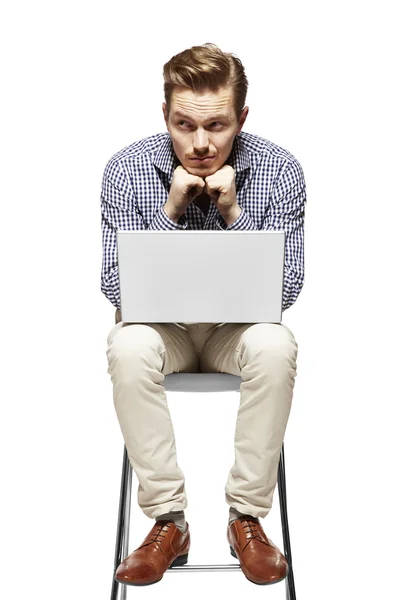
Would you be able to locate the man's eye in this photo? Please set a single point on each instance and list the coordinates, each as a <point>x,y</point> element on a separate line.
<point>183,123</point>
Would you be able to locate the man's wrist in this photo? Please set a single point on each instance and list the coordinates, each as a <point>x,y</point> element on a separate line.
<point>171,213</point>
<point>231,216</point>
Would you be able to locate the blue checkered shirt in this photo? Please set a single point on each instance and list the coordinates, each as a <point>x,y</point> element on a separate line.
<point>270,189</point>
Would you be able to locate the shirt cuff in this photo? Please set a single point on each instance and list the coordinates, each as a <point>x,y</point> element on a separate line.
<point>242,222</point>
<point>162,221</point>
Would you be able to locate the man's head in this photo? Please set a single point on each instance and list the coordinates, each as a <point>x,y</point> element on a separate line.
<point>205,92</point>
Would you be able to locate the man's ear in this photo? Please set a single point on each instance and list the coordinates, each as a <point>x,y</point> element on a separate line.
<point>164,109</point>
<point>243,118</point>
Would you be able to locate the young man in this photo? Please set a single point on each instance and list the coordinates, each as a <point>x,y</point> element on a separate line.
<point>203,173</point>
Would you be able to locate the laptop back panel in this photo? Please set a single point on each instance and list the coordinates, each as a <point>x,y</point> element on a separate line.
<point>201,276</point>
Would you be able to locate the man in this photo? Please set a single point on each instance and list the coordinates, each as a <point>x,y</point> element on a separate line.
<point>203,173</point>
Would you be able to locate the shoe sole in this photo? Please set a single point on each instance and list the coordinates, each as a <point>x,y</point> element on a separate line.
<point>178,562</point>
<point>256,582</point>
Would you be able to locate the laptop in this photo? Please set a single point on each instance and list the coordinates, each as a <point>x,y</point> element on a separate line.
<point>201,276</point>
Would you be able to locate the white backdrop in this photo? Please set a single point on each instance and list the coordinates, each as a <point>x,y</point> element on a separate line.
<point>83,80</point>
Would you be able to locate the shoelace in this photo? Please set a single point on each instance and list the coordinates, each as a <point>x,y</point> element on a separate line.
<point>252,529</point>
<point>158,534</point>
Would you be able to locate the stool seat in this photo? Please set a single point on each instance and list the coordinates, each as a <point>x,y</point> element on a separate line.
<point>202,382</point>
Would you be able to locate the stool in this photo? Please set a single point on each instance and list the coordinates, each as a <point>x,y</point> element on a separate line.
<point>195,382</point>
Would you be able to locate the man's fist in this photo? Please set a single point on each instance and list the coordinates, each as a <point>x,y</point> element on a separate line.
<point>221,188</point>
<point>185,187</point>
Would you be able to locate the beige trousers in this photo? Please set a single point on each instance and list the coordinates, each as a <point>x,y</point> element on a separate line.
<point>263,354</point>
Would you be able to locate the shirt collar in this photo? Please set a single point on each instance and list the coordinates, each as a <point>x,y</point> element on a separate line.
<point>167,161</point>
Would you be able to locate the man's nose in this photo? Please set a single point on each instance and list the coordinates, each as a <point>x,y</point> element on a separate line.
<point>200,141</point>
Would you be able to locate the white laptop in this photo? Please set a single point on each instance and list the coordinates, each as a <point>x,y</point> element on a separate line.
<point>201,276</point>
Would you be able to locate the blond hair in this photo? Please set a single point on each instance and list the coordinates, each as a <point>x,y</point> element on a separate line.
<point>206,67</point>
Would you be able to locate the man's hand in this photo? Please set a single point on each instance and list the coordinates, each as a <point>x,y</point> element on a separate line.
<point>185,187</point>
<point>221,188</point>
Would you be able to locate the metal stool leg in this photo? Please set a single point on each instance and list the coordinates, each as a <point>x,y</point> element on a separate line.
<point>122,542</point>
<point>290,590</point>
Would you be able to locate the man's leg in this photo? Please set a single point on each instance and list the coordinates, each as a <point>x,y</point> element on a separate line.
<point>139,356</point>
<point>264,355</point>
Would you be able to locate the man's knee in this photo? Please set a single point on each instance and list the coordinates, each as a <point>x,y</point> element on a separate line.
<point>136,339</point>
<point>274,340</point>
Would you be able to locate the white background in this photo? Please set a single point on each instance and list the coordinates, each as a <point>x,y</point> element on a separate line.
<point>81,80</point>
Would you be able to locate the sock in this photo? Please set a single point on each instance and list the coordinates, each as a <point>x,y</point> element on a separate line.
<point>178,517</point>
<point>235,514</point>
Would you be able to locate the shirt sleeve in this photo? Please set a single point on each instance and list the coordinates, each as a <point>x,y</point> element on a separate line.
<point>286,211</point>
<point>119,211</point>
<point>243,221</point>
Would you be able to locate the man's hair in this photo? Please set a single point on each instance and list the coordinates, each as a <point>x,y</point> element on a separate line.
<point>206,67</point>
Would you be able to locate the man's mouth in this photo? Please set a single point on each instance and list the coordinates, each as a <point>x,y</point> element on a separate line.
<point>205,159</point>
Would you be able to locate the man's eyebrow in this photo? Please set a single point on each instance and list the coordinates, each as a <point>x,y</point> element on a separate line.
<point>223,116</point>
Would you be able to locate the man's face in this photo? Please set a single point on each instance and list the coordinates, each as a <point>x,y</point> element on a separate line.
<point>203,125</point>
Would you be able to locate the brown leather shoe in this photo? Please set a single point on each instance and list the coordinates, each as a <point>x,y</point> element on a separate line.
<point>260,560</point>
<point>165,546</point>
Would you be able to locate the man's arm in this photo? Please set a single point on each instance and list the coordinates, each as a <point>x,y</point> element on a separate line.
<point>286,211</point>
<point>119,211</point>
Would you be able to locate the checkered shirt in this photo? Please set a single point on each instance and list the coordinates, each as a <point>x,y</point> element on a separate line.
<point>270,190</point>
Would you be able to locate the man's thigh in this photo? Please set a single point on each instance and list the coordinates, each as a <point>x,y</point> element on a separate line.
<point>231,343</point>
<point>170,340</point>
